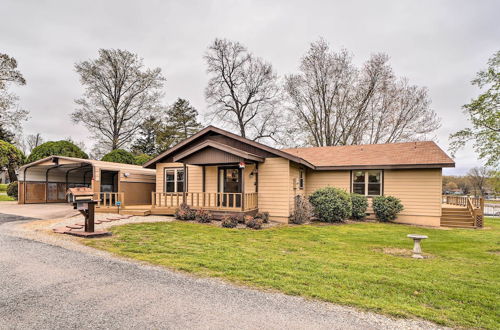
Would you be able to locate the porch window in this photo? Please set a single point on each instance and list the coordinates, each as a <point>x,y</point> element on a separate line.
<point>368,183</point>
<point>174,180</point>
<point>301,179</point>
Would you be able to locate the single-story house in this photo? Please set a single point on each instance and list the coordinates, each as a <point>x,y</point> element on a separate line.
<point>223,172</point>
<point>226,173</point>
<point>47,181</point>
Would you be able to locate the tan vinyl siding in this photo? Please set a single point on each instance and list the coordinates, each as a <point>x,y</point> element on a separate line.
<point>294,184</point>
<point>195,178</point>
<point>419,190</point>
<point>211,178</point>
<point>274,188</point>
<point>249,180</point>
<point>136,177</point>
<point>320,179</point>
<point>137,193</point>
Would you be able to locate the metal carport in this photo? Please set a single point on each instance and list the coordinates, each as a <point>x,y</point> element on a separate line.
<point>47,180</point>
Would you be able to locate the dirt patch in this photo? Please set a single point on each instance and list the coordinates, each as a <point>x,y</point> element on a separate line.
<point>398,252</point>
<point>495,252</point>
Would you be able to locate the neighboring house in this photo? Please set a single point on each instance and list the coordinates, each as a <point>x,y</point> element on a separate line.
<point>47,181</point>
<point>4,176</point>
<point>223,172</point>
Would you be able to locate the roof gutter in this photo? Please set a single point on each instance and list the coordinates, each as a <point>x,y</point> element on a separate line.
<point>383,167</point>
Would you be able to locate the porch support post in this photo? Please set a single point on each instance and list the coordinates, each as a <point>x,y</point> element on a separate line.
<point>185,183</point>
<point>203,188</point>
<point>256,177</point>
<point>243,189</point>
<point>203,178</point>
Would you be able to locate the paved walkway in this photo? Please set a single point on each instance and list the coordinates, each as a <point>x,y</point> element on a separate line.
<point>37,211</point>
<point>45,286</point>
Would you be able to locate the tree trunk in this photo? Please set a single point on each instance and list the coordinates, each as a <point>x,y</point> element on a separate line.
<point>12,174</point>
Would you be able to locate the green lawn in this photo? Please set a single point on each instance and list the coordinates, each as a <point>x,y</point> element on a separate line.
<point>5,198</point>
<point>459,285</point>
<point>3,187</point>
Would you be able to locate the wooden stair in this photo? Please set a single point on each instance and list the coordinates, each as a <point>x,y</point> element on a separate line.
<point>456,217</point>
<point>139,212</point>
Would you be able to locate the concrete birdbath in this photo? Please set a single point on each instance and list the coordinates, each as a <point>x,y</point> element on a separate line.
<point>417,250</point>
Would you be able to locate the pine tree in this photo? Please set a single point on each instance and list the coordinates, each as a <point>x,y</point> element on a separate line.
<point>181,122</point>
<point>148,134</point>
<point>157,135</point>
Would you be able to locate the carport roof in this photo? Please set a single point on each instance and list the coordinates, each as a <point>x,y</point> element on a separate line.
<point>53,160</point>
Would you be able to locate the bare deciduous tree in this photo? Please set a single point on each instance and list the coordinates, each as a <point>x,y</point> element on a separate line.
<point>33,141</point>
<point>335,103</point>
<point>242,90</point>
<point>11,115</point>
<point>119,94</point>
<point>478,178</point>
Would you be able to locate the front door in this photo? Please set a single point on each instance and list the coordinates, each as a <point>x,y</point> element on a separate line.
<point>230,185</point>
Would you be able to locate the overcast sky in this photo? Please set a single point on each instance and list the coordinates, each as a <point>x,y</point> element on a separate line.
<point>437,44</point>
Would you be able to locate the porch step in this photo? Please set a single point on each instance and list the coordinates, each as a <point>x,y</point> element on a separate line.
<point>445,219</point>
<point>455,217</point>
<point>457,222</point>
<point>455,225</point>
<point>139,212</point>
<point>455,213</point>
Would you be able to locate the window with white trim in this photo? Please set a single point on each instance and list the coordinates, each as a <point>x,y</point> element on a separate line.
<point>368,183</point>
<point>174,180</point>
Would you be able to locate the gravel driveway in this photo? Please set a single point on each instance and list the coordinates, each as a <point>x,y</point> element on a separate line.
<point>45,286</point>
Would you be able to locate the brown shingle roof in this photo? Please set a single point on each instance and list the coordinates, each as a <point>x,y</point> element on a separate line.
<point>407,154</point>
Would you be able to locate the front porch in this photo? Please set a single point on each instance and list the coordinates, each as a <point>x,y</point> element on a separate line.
<point>212,201</point>
<point>167,203</point>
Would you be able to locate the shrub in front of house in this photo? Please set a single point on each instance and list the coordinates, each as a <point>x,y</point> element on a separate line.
<point>203,216</point>
<point>12,189</point>
<point>331,204</point>
<point>264,216</point>
<point>386,208</point>
<point>253,223</point>
<point>229,221</point>
<point>240,218</point>
<point>302,212</point>
<point>184,212</point>
<point>359,206</point>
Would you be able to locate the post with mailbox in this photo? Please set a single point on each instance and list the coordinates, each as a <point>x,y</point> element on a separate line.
<point>83,201</point>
